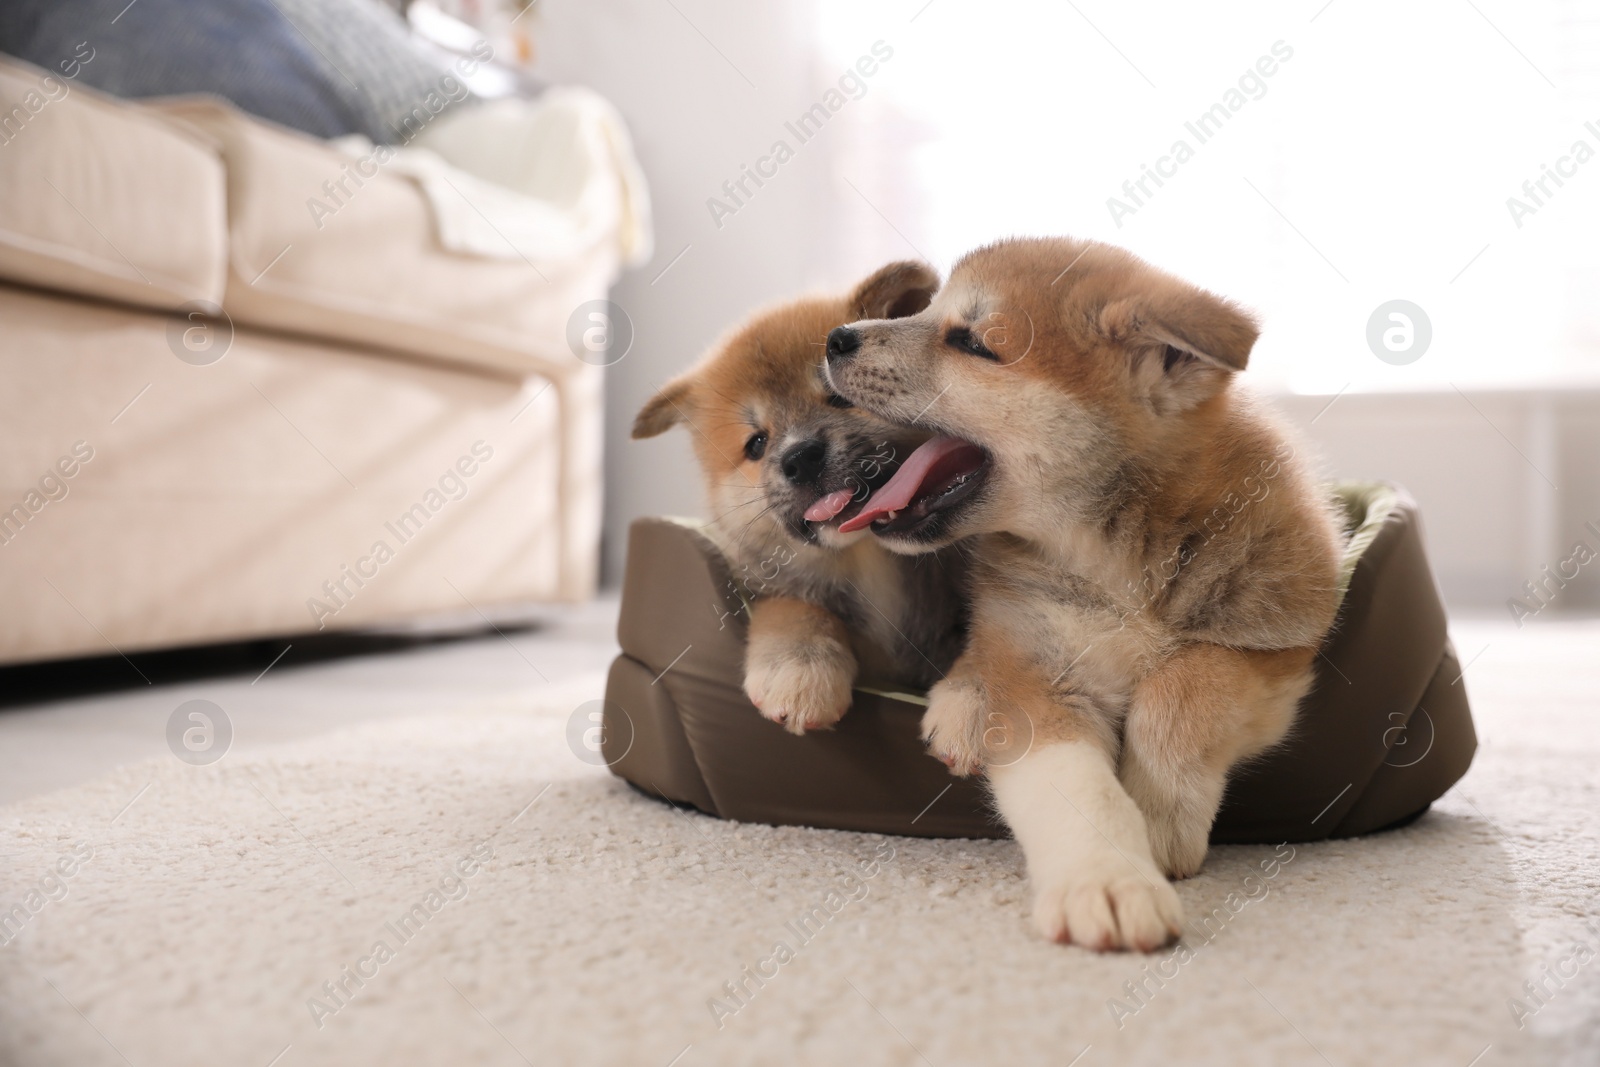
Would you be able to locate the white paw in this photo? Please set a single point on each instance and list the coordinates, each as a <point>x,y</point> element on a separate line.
<point>800,692</point>
<point>953,728</point>
<point>1120,906</point>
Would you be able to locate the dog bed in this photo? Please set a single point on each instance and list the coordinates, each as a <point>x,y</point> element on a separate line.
<point>1385,731</point>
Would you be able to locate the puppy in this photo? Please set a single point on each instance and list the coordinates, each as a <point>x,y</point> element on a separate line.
<point>1155,571</point>
<point>786,462</point>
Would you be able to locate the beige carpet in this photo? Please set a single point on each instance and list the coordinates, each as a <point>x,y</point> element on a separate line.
<point>602,928</point>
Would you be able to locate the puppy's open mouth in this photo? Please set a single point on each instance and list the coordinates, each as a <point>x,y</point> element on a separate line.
<point>940,474</point>
<point>837,508</point>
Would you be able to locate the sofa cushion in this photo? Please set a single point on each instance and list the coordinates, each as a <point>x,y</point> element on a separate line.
<point>334,247</point>
<point>103,198</point>
<point>147,503</point>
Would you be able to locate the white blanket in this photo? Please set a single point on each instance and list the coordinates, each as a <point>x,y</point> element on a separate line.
<point>543,180</point>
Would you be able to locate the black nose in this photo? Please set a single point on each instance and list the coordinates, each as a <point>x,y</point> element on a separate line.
<point>843,342</point>
<point>802,464</point>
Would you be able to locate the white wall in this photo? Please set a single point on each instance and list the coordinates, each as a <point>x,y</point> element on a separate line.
<point>1505,481</point>
<point>680,81</point>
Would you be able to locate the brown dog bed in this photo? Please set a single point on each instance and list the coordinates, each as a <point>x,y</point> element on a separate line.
<point>1385,731</point>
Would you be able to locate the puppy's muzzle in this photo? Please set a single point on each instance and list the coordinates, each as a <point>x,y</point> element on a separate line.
<point>843,342</point>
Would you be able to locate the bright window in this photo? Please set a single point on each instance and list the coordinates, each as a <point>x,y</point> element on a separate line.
<point>1351,155</point>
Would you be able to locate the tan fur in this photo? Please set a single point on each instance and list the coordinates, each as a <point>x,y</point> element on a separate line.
<point>826,607</point>
<point>1155,570</point>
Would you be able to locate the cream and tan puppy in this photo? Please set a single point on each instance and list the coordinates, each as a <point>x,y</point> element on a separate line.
<point>786,463</point>
<point>1155,571</point>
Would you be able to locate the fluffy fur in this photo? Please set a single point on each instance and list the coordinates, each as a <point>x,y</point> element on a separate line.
<point>1154,573</point>
<point>773,441</point>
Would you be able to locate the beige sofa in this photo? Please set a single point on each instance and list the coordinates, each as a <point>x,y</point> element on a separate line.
<point>372,429</point>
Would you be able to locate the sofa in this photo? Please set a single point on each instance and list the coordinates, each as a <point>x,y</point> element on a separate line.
<point>227,416</point>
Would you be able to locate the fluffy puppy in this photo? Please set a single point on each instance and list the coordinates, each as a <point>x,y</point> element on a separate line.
<point>1155,570</point>
<point>786,462</point>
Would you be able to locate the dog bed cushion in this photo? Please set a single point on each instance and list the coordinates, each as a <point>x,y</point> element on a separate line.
<point>1385,731</point>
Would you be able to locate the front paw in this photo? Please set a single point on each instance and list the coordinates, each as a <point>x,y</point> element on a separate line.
<point>953,728</point>
<point>1121,906</point>
<point>800,692</point>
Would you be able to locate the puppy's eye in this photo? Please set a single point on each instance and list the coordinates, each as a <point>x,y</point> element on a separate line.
<point>837,401</point>
<point>963,338</point>
<point>756,447</point>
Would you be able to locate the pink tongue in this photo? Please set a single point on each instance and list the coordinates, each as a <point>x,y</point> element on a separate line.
<point>898,491</point>
<point>829,506</point>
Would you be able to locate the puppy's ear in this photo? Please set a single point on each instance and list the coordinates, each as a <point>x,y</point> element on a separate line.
<point>895,291</point>
<point>664,410</point>
<point>1184,343</point>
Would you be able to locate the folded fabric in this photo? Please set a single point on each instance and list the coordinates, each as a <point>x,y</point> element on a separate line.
<point>539,180</point>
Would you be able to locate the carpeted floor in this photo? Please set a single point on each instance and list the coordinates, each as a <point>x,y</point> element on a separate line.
<point>600,927</point>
